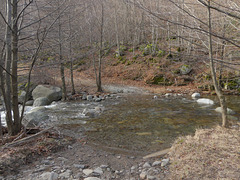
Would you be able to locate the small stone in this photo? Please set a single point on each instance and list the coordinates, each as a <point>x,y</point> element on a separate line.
<point>133,168</point>
<point>151,178</point>
<point>196,95</point>
<point>66,174</point>
<point>146,165</point>
<point>61,159</point>
<point>79,166</point>
<point>157,163</point>
<point>87,172</point>
<point>97,99</point>
<point>104,166</point>
<point>49,158</point>
<point>165,162</point>
<point>46,162</point>
<point>49,176</point>
<point>92,178</point>
<point>70,147</point>
<point>98,171</point>
<point>84,97</point>
<point>143,175</point>
<point>119,157</point>
<point>89,97</point>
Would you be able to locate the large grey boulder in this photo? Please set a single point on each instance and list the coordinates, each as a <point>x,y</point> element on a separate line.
<point>21,97</point>
<point>51,92</point>
<point>41,101</point>
<point>36,117</point>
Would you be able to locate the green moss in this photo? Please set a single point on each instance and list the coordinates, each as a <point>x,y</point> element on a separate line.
<point>130,50</point>
<point>159,80</point>
<point>161,53</point>
<point>136,56</point>
<point>231,85</point>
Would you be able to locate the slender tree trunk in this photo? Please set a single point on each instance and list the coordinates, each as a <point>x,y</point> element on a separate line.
<point>17,123</point>
<point>99,84</point>
<point>213,72</point>
<point>6,81</point>
<point>70,56</point>
<point>116,29</point>
<point>64,92</point>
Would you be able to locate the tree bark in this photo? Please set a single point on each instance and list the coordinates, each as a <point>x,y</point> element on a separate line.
<point>213,72</point>
<point>17,124</point>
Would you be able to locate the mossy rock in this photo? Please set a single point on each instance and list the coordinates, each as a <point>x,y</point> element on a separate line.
<point>233,84</point>
<point>185,69</point>
<point>159,80</point>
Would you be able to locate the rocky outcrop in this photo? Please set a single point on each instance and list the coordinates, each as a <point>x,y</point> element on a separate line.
<point>51,92</point>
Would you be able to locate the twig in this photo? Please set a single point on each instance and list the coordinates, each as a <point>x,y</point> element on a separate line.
<point>26,139</point>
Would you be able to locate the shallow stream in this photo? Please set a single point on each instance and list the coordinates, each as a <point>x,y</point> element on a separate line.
<point>138,123</point>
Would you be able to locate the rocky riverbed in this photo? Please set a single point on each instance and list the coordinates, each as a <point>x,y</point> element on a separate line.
<point>84,162</point>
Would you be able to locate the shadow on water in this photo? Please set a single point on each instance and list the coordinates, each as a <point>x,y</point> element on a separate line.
<point>138,123</point>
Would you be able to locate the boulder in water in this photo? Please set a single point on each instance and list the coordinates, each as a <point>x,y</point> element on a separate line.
<point>36,117</point>
<point>205,101</point>
<point>229,111</point>
<point>196,95</point>
<point>41,101</point>
<point>51,92</point>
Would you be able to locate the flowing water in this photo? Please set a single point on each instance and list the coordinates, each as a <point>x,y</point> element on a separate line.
<point>138,123</point>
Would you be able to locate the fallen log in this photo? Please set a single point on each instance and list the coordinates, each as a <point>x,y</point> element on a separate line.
<point>26,139</point>
<point>157,154</point>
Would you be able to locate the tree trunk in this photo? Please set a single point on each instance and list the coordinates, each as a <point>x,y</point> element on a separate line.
<point>6,81</point>
<point>17,124</point>
<point>70,56</point>
<point>213,72</point>
<point>99,82</point>
<point>62,74</point>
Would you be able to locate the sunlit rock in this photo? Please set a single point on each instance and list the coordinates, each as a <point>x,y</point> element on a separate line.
<point>205,101</point>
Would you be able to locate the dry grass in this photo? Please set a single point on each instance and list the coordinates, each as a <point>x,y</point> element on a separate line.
<point>210,154</point>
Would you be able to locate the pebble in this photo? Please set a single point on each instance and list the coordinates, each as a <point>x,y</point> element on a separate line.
<point>92,178</point>
<point>165,162</point>
<point>49,176</point>
<point>98,171</point>
<point>79,166</point>
<point>157,163</point>
<point>61,159</point>
<point>146,165</point>
<point>143,175</point>
<point>119,157</point>
<point>104,166</point>
<point>66,174</point>
<point>87,172</point>
<point>151,178</point>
